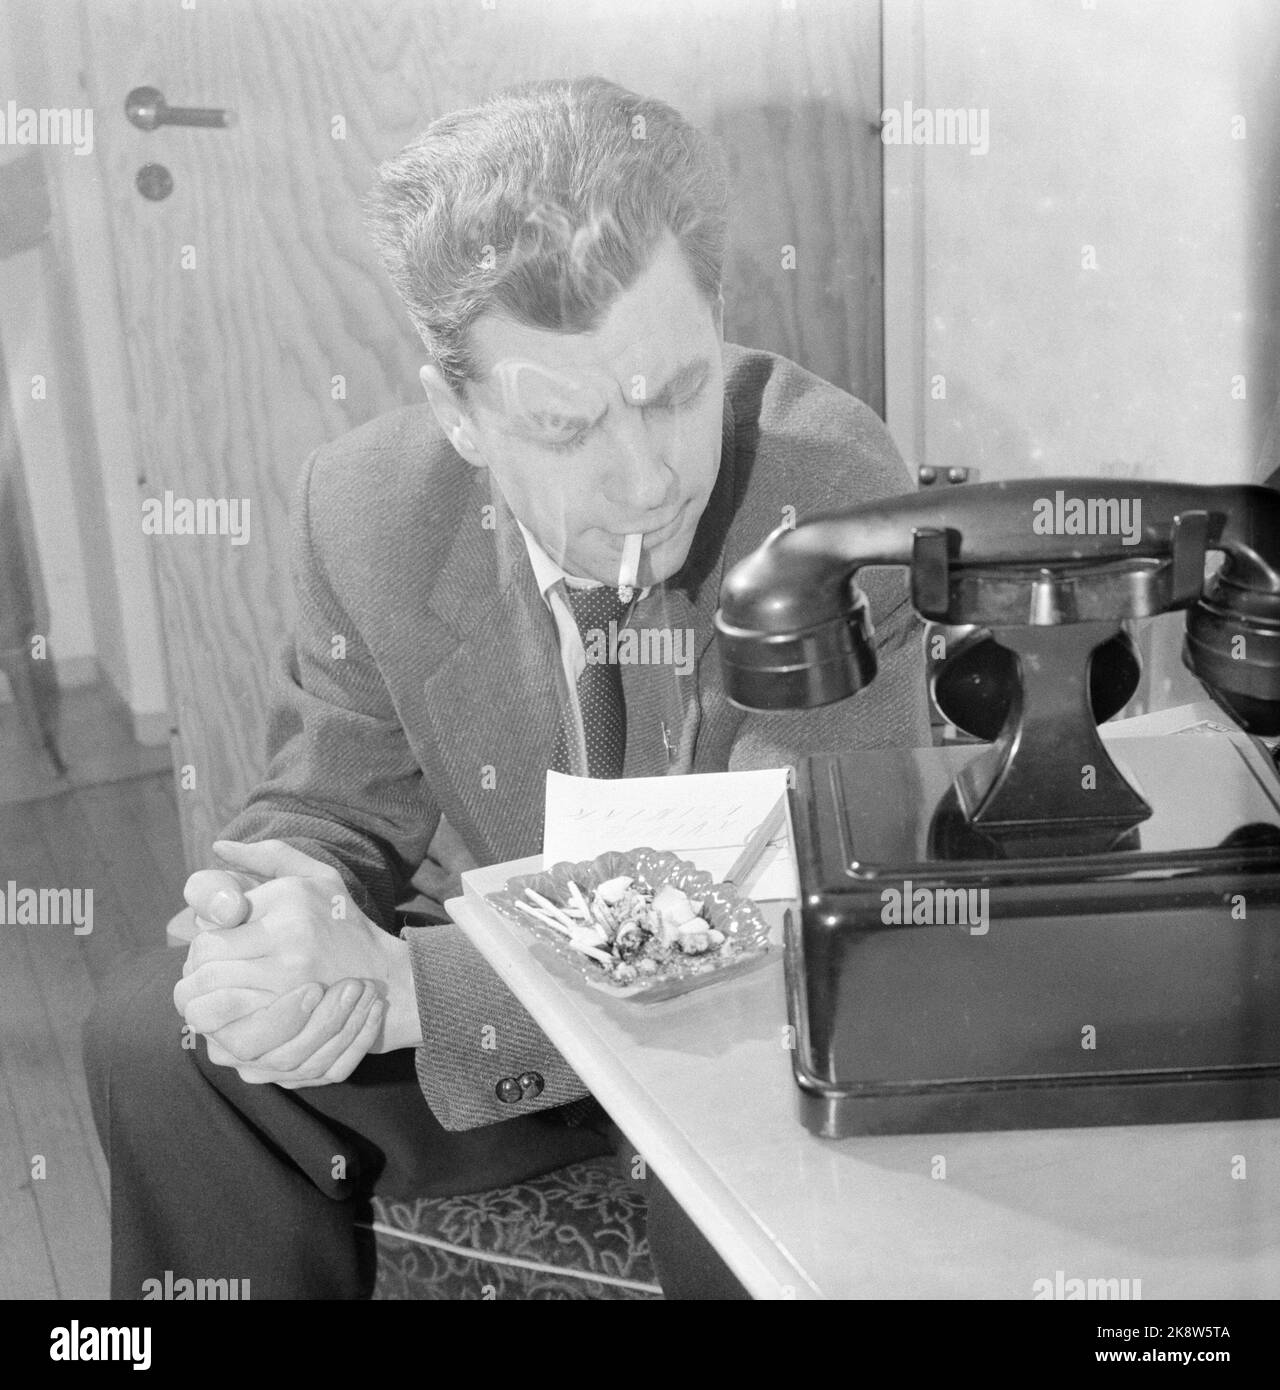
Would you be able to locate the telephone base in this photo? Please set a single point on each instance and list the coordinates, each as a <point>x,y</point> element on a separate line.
<point>935,983</point>
<point>1060,1102</point>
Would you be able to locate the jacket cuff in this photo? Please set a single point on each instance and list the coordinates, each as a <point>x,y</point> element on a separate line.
<point>483,1059</point>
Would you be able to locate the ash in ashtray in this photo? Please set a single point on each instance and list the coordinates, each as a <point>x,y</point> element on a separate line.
<point>631,929</point>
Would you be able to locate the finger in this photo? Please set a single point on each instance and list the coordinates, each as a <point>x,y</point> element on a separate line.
<point>221,1010</point>
<point>254,1077</point>
<point>202,925</point>
<point>219,896</point>
<point>248,942</point>
<point>271,859</point>
<point>223,1058</point>
<point>264,974</point>
<point>356,1052</point>
<point>220,1055</point>
<point>333,1027</point>
<point>328,1021</point>
<point>313,1069</point>
<point>307,1012</point>
<point>362,1045</point>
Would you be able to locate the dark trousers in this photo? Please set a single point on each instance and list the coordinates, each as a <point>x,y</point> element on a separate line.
<point>214,1178</point>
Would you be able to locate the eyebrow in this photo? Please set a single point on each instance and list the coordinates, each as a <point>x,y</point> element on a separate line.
<point>683,376</point>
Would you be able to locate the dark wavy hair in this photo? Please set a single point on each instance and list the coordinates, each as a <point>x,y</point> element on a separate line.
<point>542,204</point>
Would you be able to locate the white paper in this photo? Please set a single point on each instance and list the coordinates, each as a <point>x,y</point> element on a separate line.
<point>1203,717</point>
<point>703,817</point>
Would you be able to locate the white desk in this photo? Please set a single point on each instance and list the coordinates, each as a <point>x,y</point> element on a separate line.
<point>702,1085</point>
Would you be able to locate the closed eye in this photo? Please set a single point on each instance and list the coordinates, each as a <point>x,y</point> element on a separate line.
<point>568,446</point>
<point>687,399</point>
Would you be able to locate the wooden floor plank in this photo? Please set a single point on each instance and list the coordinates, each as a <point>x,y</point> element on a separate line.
<point>116,826</point>
<point>40,1057</point>
<point>73,1212</point>
<point>69,967</point>
<point>68,992</point>
<point>65,826</point>
<point>26,1270</point>
<point>68,995</point>
<point>152,807</point>
<point>122,840</point>
<point>48,981</point>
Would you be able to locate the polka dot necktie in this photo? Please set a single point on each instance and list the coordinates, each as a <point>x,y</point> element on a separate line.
<point>604,715</point>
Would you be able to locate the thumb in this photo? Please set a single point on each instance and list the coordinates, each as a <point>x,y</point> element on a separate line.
<point>270,859</point>
<point>218,897</point>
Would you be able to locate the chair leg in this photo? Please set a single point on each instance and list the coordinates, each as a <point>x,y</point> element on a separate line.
<point>36,696</point>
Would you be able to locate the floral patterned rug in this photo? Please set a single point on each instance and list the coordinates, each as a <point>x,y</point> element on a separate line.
<point>578,1233</point>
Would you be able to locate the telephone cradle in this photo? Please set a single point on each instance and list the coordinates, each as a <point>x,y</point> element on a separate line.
<point>1046,929</point>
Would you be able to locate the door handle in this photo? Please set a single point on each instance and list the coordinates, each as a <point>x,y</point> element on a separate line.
<point>148,110</point>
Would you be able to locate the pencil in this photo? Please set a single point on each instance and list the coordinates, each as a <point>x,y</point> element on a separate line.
<point>757,842</point>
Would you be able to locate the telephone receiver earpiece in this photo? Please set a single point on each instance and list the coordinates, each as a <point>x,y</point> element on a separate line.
<point>1233,646</point>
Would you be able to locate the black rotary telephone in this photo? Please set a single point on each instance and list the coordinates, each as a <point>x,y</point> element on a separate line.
<point>1072,845</point>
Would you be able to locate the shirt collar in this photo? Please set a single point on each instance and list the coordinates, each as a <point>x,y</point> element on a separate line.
<point>547,574</point>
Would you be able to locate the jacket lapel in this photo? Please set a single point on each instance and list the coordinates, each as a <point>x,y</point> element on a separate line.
<point>493,699</point>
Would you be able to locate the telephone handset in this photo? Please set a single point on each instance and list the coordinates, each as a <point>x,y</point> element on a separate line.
<point>1051,567</point>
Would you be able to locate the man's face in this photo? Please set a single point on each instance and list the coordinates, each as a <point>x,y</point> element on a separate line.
<point>592,436</point>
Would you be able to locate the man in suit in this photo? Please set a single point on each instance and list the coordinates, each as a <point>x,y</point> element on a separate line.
<point>559,249</point>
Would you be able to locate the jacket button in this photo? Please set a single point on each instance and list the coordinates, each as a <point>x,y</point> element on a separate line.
<point>508,1090</point>
<point>531,1085</point>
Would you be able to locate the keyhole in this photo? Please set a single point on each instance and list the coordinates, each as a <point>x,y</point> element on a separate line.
<point>155,182</point>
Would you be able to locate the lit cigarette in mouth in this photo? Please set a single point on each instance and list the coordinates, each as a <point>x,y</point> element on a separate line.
<point>629,570</point>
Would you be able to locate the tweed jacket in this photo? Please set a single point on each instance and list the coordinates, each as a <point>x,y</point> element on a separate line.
<point>415,707</point>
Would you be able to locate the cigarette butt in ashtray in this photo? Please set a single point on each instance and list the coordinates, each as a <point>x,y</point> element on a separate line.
<point>629,570</point>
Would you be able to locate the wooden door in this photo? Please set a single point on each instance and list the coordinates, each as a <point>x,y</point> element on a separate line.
<point>257,323</point>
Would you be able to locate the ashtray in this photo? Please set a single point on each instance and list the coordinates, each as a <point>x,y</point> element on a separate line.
<point>724,909</point>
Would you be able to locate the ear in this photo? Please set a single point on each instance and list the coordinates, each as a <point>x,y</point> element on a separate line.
<point>451,414</point>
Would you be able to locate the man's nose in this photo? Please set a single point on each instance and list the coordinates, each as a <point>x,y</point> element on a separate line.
<point>641,480</point>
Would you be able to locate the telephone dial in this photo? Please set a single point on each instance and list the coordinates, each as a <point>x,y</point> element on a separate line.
<point>1126,967</point>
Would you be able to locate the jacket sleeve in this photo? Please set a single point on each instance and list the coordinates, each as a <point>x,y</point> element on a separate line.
<point>475,1035</point>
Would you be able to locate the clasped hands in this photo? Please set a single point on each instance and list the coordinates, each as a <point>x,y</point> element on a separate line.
<point>288,980</point>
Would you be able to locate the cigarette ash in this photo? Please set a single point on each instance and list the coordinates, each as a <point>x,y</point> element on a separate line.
<point>631,929</point>
<point>614,919</point>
